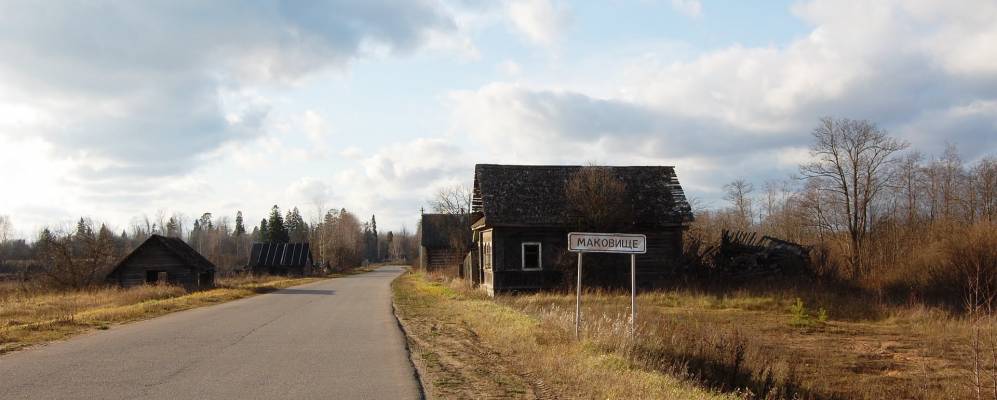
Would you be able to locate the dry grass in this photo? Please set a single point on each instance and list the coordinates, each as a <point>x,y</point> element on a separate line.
<point>33,316</point>
<point>743,344</point>
<point>468,346</point>
<point>758,346</point>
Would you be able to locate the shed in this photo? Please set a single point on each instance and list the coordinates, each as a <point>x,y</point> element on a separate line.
<point>162,259</point>
<point>522,219</point>
<point>444,243</point>
<point>276,258</point>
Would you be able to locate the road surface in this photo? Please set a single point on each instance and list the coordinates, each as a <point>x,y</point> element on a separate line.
<point>334,339</point>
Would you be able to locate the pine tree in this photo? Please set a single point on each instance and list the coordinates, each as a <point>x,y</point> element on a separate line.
<point>173,227</point>
<point>278,231</point>
<point>264,231</point>
<point>297,229</point>
<point>240,229</point>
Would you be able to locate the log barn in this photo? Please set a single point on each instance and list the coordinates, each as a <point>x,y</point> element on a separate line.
<point>276,258</point>
<point>162,259</point>
<point>444,243</point>
<point>521,221</point>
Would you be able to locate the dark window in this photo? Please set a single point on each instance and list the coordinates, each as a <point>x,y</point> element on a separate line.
<point>155,276</point>
<point>531,255</point>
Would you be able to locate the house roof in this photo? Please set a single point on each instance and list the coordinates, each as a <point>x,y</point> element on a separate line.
<point>436,229</point>
<point>177,247</point>
<point>534,195</point>
<point>276,254</point>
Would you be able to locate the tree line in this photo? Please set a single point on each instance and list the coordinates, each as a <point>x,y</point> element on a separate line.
<point>877,213</point>
<point>81,257</point>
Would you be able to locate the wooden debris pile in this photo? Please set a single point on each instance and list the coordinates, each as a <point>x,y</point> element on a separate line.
<point>744,255</point>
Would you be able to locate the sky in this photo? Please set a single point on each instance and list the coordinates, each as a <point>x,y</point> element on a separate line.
<point>118,109</point>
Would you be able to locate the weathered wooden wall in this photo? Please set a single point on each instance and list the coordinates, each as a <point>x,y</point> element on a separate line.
<point>664,249</point>
<point>155,258</point>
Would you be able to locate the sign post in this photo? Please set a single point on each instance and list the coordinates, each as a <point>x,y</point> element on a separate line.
<point>617,243</point>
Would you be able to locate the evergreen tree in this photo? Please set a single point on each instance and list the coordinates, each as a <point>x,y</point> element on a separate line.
<point>173,227</point>
<point>278,231</point>
<point>297,228</point>
<point>240,229</point>
<point>264,231</point>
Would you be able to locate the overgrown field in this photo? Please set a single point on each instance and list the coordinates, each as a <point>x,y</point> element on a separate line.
<point>33,316</point>
<point>780,343</point>
<point>467,346</point>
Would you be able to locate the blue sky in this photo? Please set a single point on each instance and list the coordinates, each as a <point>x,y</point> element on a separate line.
<point>116,110</point>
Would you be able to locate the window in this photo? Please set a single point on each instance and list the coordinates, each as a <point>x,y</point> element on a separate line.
<point>531,256</point>
<point>486,255</point>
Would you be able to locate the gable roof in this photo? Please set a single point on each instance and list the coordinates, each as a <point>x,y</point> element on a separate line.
<point>276,254</point>
<point>175,246</point>
<point>437,228</point>
<point>534,195</point>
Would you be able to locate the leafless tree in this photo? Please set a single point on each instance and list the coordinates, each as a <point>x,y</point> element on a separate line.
<point>453,200</point>
<point>596,197</point>
<point>738,193</point>
<point>6,228</point>
<point>853,158</point>
<point>79,259</point>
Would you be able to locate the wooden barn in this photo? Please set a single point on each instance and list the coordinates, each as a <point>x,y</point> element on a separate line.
<point>521,221</point>
<point>162,259</point>
<point>445,242</point>
<point>277,258</point>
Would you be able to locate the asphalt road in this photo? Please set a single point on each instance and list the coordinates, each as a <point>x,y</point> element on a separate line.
<point>334,339</point>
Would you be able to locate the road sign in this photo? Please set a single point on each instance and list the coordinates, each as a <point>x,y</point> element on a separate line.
<point>620,243</point>
<point>587,242</point>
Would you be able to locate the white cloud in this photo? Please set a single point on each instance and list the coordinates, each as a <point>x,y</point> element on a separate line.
<point>541,21</point>
<point>692,8</point>
<point>750,109</point>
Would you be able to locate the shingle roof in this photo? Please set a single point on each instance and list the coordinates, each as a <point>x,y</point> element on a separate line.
<point>177,247</point>
<point>275,254</point>
<point>534,195</point>
<point>437,228</point>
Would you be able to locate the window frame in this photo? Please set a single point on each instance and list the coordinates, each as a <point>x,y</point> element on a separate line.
<point>522,253</point>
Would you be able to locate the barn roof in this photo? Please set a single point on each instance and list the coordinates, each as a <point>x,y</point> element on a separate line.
<point>276,254</point>
<point>436,229</point>
<point>177,247</point>
<point>534,195</point>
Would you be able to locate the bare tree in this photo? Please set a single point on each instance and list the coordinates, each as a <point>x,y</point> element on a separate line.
<point>453,200</point>
<point>596,198</point>
<point>738,193</point>
<point>853,159</point>
<point>79,259</point>
<point>908,178</point>
<point>6,228</point>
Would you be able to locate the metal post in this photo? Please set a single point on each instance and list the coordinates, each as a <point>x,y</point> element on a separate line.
<point>578,297</point>
<point>633,295</point>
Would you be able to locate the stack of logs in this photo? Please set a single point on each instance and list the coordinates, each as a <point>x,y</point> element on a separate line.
<point>744,255</point>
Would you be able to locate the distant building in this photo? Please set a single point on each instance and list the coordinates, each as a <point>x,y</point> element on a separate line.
<point>162,259</point>
<point>444,243</point>
<point>277,258</point>
<point>521,221</point>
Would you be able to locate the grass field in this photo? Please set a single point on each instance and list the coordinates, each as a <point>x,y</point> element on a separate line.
<point>467,346</point>
<point>29,317</point>
<point>741,344</point>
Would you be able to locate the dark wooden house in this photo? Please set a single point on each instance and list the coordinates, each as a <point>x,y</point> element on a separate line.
<point>521,221</point>
<point>162,259</point>
<point>277,258</point>
<point>444,243</point>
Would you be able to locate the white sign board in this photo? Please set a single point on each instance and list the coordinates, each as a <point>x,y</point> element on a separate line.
<point>586,242</point>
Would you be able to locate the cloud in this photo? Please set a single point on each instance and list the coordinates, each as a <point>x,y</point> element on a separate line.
<point>152,89</point>
<point>749,110</point>
<point>541,21</point>
<point>691,8</point>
